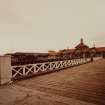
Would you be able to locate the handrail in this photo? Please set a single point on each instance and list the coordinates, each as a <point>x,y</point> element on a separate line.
<point>38,68</point>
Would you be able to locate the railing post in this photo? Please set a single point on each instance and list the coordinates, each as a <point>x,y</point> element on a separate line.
<point>5,69</point>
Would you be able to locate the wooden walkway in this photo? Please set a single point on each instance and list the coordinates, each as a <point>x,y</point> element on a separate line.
<point>81,85</point>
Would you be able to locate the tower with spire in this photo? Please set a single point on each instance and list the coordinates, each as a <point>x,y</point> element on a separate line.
<point>81,45</point>
<point>81,40</point>
<point>81,49</point>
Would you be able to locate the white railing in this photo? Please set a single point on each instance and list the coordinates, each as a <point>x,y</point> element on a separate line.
<point>32,69</point>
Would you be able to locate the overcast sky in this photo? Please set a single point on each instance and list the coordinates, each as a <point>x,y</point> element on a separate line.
<point>42,25</point>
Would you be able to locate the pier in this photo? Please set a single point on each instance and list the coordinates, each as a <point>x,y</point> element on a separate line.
<point>79,85</point>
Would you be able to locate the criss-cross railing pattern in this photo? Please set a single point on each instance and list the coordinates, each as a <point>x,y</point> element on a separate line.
<point>32,69</point>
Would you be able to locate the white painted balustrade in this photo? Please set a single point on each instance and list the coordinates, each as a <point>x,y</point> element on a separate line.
<point>32,69</point>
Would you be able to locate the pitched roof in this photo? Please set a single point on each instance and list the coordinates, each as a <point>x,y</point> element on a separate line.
<point>67,50</point>
<point>100,49</point>
<point>81,44</point>
<point>71,50</point>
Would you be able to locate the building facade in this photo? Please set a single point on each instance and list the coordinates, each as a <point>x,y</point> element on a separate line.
<point>82,50</point>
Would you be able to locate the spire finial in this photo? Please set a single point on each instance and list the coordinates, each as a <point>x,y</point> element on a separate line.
<point>81,40</point>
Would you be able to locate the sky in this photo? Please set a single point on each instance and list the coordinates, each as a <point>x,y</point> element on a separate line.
<point>42,25</point>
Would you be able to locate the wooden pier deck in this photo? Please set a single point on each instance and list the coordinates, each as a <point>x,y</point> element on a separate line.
<point>81,85</point>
